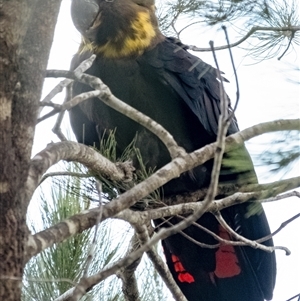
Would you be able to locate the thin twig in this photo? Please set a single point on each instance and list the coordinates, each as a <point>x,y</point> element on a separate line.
<point>251,243</point>
<point>235,74</point>
<point>57,126</point>
<point>70,76</point>
<point>283,225</point>
<point>42,161</point>
<point>282,196</point>
<point>294,297</point>
<point>220,239</point>
<point>250,32</point>
<point>187,26</point>
<point>198,243</point>
<point>220,146</point>
<point>57,89</point>
<point>64,173</point>
<point>223,125</point>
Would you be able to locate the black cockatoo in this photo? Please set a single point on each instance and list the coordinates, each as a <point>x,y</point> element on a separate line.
<point>159,77</point>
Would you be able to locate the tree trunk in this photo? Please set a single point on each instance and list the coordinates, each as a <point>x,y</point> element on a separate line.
<point>26,33</point>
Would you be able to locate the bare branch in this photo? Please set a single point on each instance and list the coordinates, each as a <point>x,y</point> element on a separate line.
<point>294,298</point>
<point>56,129</point>
<point>126,274</point>
<point>70,76</point>
<point>64,174</point>
<point>108,98</point>
<point>72,151</point>
<point>105,95</point>
<point>267,190</point>
<point>66,295</point>
<point>283,196</point>
<point>250,32</point>
<point>80,98</point>
<point>86,64</point>
<point>223,241</point>
<point>262,128</point>
<point>251,243</point>
<point>283,225</point>
<point>159,264</point>
<point>141,190</point>
<point>57,89</point>
<point>60,73</point>
<point>87,219</point>
<point>235,74</point>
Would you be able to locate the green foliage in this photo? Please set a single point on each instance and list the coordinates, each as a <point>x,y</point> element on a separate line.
<point>111,189</point>
<point>275,14</point>
<point>242,16</point>
<point>59,268</point>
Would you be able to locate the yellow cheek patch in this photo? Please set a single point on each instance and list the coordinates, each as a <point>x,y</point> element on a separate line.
<point>125,45</point>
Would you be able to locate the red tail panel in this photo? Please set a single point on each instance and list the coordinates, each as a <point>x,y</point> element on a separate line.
<point>183,275</point>
<point>227,263</point>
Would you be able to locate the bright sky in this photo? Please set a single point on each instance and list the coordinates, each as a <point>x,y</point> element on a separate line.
<point>266,94</point>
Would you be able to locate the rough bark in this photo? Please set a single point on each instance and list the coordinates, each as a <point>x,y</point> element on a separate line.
<point>26,33</point>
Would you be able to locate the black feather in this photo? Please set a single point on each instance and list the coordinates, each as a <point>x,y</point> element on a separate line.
<point>182,93</point>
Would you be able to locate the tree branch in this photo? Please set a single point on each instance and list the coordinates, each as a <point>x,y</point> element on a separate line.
<point>248,242</point>
<point>283,225</point>
<point>73,151</point>
<point>64,174</point>
<point>141,190</point>
<point>104,94</point>
<point>127,274</point>
<point>159,264</point>
<point>250,32</point>
<point>70,76</point>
